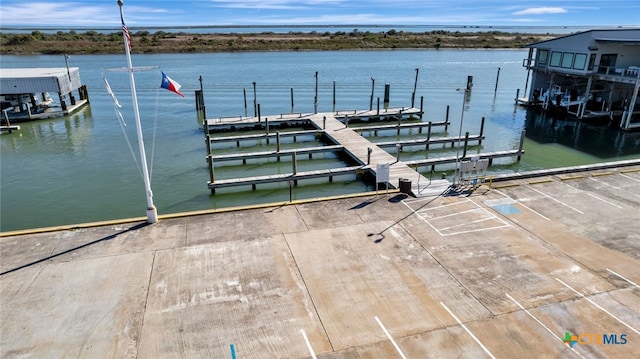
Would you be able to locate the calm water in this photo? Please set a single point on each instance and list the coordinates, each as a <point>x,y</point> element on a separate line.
<point>79,169</point>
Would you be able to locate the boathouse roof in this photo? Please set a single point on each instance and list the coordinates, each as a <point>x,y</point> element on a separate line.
<point>34,80</point>
<point>624,36</point>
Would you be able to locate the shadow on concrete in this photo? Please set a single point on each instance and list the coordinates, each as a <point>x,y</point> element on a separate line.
<point>400,198</point>
<point>107,238</point>
<point>365,203</point>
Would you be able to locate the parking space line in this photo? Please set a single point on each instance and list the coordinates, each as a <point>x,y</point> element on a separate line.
<point>629,177</point>
<point>466,223</point>
<point>475,230</point>
<point>443,206</point>
<point>542,324</point>
<point>423,219</point>
<point>468,331</point>
<point>599,307</point>
<point>525,206</point>
<point>603,200</point>
<point>439,230</point>
<point>554,199</point>
<point>604,183</point>
<point>390,338</point>
<point>454,214</point>
<point>632,283</point>
<point>306,340</point>
<point>490,213</point>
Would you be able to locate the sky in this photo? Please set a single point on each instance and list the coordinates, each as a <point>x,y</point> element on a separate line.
<point>156,13</point>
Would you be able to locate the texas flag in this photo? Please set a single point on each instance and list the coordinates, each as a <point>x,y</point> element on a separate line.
<point>169,84</point>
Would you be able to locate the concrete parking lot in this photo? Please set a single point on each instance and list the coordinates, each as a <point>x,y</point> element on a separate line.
<point>511,271</point>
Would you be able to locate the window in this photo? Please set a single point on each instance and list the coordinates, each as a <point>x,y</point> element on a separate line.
<point>555,58</point>
<point>608,59</point>
<point>592,61</point>
<point>579,61</point>
<point>543,56</point>
<point>607,62</point>
<point>567,60</point>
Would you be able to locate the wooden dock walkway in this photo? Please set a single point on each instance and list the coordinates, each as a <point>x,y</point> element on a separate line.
<point>371,156</point>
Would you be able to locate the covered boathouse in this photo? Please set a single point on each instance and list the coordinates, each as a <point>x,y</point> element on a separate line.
<point>29,93</point>
<point>589,74</point>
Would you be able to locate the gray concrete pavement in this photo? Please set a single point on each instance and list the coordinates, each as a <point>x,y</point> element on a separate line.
<point>502,272</point>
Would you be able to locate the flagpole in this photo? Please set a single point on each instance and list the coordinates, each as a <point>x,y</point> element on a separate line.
<point>152,214</point>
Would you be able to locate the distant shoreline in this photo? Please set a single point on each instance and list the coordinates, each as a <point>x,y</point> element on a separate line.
<point>143,41</point>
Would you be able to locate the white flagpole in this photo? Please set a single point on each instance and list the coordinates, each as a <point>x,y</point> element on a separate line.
<point>152,214</point>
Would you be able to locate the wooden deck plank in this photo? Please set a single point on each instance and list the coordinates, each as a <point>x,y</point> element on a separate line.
<point>283,177</point>
<point>263,154</point>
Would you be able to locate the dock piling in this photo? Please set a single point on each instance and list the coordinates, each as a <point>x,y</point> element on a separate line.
<point>446,119</point>
<point>255,101</point>
<point>428,135</point>
<point>481,130</point>
<point>244,92</point>
<point>373,83</point>
<point>387,90</point>
<point>292,105</point>
<point>294,161</point>
<point>466,142</point>
<point>413,94</point>
<point>334,96</point>
<point>258,115</point>
<point>521,144</point>
<point>497,78</point>
<point>315,99</point>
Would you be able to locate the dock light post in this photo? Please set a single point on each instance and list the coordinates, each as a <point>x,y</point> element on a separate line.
<point>456,173</point>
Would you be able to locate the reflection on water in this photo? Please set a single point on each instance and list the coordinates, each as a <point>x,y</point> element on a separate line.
<point>64,135</point>
<point>598,138</point>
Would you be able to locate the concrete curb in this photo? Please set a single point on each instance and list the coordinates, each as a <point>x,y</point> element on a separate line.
<point>69,227</point>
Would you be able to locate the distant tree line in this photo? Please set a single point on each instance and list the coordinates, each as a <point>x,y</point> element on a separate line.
<point>143,41</point>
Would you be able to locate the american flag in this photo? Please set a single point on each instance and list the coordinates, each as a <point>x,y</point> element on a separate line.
<point>125,31</point>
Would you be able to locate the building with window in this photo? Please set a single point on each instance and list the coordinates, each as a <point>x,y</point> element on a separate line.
<point>589,74</point>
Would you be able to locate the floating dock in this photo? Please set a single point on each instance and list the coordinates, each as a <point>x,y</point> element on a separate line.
<point>343,130</point>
